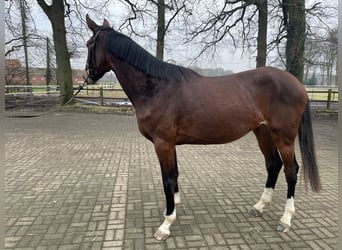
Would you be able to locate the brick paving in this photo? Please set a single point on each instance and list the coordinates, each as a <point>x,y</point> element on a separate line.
<point>91,181</point>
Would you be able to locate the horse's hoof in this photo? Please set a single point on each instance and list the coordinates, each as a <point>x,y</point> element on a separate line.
<point>283,228</point>
<point>159,235</point>
<point>254,212</point>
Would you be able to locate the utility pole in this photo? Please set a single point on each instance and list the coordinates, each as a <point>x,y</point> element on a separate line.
<point>48,66</point>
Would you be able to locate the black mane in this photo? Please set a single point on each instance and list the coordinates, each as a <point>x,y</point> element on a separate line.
<point>127,50</point>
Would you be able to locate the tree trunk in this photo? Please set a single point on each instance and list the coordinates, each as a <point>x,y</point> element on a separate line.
<point>262,33</point>
<point>306,74</point>
<point>24,32</point>
<point>55,13</point>
<point>48,66</point>
<point>337,69</point>
<point>323,75</point>
<point>295,37</point>
<point>161,30</point>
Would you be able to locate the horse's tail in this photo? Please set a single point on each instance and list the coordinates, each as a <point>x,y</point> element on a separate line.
<point>306,143</point>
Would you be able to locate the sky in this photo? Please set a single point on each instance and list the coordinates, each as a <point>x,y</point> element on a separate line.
<point>226,58</point>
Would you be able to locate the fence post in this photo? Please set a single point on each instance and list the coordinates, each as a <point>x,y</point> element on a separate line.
<point>329,99</point>
<point>30,89</point>
<point>101,96</point>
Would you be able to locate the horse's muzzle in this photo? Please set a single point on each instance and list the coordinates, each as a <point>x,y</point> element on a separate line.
<point>90,81</point>
<point>87,78</point>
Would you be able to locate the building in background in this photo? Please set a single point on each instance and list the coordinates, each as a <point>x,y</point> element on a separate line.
<point>15,74</point>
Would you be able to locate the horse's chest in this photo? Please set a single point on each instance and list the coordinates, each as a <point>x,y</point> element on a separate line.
<point>154,126</point>
<point>145,129</point>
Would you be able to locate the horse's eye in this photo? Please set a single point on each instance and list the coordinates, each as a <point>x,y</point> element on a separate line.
<point>89,42</point>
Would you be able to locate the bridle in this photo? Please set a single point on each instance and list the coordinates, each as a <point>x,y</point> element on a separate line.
<point>91,56</point>
<point>85,82</point>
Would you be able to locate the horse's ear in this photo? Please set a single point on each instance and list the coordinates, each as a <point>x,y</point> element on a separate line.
<point>91,24</point>
<point>106,23</point>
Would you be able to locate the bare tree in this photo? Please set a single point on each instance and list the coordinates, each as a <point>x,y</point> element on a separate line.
<point>294,16</point>
<point>63,15</point>
<point>56,12</point>
<point>262,33</point>
<point>163,27</point>
<point>23,10</point>
<point>21,32</point>
<point>312,56</point>
<point>157,13</point>
<point>330,53</point>
<point>236,20</point>
<point>317,19</point>
<point>13,40</point>
<point>48,74</point>
<point>321,54</point>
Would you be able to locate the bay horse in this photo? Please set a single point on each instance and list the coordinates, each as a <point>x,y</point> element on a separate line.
<point>174,105</point>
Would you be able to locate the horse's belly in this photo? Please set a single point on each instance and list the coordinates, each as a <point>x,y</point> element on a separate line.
<point>211,134</point>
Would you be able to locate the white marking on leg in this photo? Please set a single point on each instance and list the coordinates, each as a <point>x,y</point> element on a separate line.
<point>266,199</point>
<point>289,212</point>
<point>169,219</point>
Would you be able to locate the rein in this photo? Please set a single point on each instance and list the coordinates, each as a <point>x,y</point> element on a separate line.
<point>80,87</point>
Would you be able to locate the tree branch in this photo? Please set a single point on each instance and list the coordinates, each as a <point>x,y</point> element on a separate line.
<point>173,17</point>
<point>46,8</point>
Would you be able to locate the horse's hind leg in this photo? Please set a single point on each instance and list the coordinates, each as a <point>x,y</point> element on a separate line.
<point>291,169</point>
<point>273,166</point>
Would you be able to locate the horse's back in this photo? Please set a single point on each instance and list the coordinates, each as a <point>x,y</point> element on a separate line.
<point>223,109</point>
<point>270,78</point>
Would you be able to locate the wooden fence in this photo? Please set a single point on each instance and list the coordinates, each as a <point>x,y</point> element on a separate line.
<point>319,95</point>
<point>327,95</point>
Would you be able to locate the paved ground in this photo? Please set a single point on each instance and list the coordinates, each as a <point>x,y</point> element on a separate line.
<point>91,181</point>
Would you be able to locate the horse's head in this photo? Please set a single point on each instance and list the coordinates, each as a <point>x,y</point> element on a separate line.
<point>97,65</point>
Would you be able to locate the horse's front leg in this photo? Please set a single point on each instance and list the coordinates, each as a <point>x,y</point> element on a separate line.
<point>166,153</point>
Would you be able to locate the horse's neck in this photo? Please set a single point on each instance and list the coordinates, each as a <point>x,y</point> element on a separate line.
<point>138,87</point>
